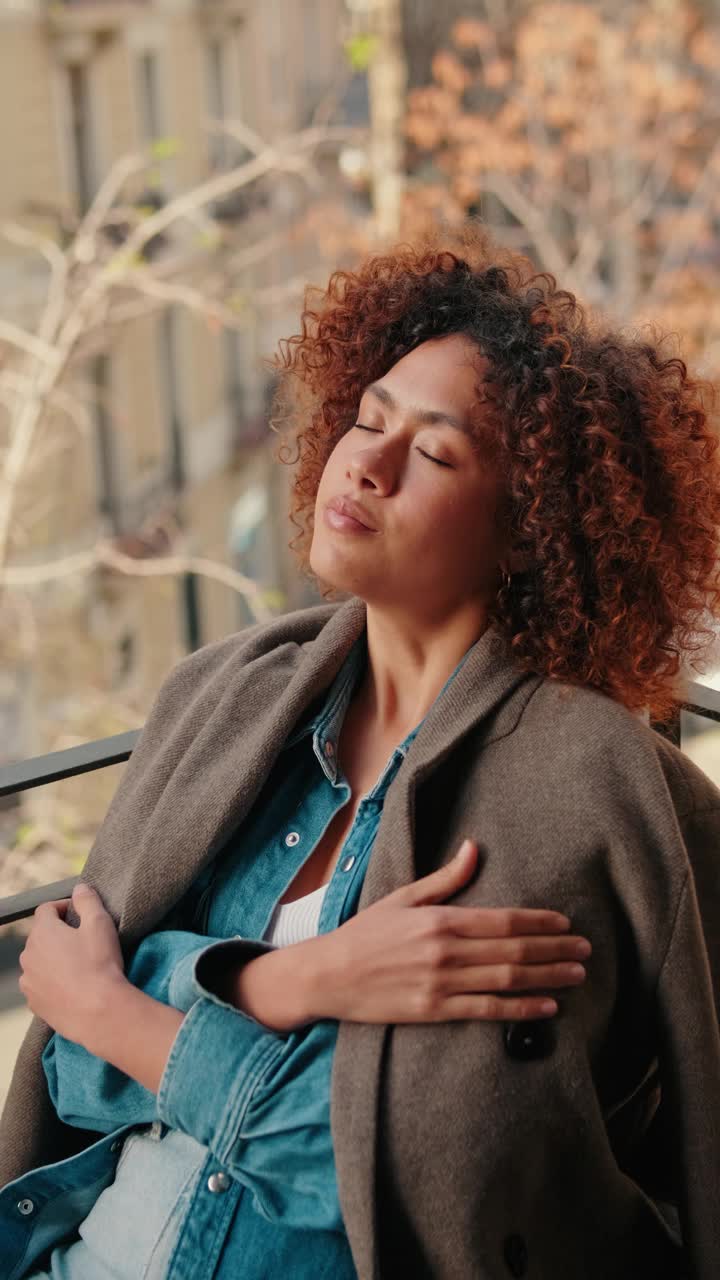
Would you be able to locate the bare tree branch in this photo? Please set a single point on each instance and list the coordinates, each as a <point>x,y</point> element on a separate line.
<point>104,555</point>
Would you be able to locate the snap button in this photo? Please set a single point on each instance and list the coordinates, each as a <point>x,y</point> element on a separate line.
<point>218,1182</point>
<point>348,863</point>
<point>292,838</point>
<point>26,1207</point>
<point>528,1041</point>
<point>329,750</point>
<point>516,1255</point>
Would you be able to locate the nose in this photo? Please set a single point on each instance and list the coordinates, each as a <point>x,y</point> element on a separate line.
<point>373,467</point>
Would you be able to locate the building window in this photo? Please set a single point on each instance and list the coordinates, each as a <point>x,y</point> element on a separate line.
<point>169,377</point>
<point>251,540</point>
<point>108,503</point>
<point>216,92</point>
<point>83,150</point>
<point>151,124</point>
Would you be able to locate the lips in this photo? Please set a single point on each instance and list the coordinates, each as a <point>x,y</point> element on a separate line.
<point>348,507</point>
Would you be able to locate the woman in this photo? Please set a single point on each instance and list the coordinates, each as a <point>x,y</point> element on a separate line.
<point>523,512</point>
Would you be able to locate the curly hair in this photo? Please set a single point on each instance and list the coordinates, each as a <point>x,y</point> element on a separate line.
<point>607,446</point>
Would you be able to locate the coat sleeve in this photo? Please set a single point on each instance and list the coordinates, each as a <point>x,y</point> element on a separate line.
<point>689,1016</point>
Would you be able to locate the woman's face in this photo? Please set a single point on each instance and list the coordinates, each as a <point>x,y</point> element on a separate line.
<point>426,494</point>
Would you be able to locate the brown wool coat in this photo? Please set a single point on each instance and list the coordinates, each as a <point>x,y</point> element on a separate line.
<point>471,1150</point>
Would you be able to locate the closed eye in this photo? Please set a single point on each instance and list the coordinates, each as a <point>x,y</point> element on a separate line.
<point>438,462</point>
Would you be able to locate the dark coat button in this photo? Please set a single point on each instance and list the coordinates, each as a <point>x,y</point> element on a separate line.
<point>516,1255</point>
<point>527,1041</point>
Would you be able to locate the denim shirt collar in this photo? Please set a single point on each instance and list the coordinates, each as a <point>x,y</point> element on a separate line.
<point>325,726</point>
<point>327,723</point>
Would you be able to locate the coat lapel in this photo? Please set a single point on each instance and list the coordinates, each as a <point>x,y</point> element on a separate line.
<point>481,688</point>
<point>486,679</point>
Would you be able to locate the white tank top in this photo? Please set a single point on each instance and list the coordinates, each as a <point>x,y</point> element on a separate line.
<point>294,921</point>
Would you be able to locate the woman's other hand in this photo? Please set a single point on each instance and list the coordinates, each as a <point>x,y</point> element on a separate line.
<point>69,975</point>
<point>408,958</point>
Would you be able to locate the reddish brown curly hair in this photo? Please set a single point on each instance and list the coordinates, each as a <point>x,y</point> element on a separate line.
<point>607,444</point>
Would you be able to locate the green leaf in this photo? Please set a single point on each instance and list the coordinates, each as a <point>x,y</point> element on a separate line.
<point>273,599</point>
<point>360,50</point>
<point>165,148</point>
<point>209,239</point>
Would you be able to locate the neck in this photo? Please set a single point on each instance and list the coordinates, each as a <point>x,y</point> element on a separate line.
<point>409,661</point>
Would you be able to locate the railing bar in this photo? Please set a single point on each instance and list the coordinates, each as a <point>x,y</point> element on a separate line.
<point>703,697</point>
<point>20,905</point>
<point>66,764</point>
<point>704,712</point>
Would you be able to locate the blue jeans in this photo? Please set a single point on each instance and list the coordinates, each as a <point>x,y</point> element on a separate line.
<point>115,1240</point>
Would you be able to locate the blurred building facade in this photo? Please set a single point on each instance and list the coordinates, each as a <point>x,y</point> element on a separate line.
<point>180,409</point>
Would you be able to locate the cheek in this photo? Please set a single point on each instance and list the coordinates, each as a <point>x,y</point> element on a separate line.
<point>458,522</point>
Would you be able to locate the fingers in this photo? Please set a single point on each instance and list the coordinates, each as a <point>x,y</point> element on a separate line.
<point>440,884</point>
<point>547,949</point>
<point>516,977</point>
<point>491,1008</point>
<point>52,910</point>
<point>500,922</point>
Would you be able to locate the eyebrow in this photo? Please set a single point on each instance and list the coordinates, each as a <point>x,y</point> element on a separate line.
<point>429,416</point>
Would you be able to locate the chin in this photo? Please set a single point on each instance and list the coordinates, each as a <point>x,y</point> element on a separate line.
<point>339,573</point>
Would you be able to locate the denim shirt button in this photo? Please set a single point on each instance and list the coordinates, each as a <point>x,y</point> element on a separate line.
<point>329,750</point>
<point>218,1182</point>
<point>292,838</point>
<point>26,1207</point>
<point>348,863</point>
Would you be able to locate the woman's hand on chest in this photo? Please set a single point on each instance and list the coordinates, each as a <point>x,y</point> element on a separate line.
<point>408,958</point>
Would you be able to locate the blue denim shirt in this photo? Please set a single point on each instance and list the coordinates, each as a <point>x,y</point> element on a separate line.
<point>257,1102</point>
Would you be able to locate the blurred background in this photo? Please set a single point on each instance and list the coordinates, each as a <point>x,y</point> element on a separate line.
<point>174,174</point>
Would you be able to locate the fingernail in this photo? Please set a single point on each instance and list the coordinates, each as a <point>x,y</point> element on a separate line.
<point>466,844</point>
<point>82,888</point>
<point>548,1006</point>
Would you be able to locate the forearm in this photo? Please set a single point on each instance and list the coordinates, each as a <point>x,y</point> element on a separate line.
<point>88,1091</point>
<point>280,988</point>
<point>136,1035</point>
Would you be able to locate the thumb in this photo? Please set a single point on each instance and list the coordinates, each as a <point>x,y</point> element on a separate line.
<point>84,898</point>
<point>446,880</point>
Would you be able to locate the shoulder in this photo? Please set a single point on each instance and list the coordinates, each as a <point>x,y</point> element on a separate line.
<point>594,734</point>
<point>281,639</point>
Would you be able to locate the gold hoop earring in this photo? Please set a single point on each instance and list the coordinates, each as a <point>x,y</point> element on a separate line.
<point>506,580</point>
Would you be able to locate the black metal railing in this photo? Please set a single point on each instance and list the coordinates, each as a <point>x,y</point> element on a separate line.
<point>52,768</point>
<point>702,701</point>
